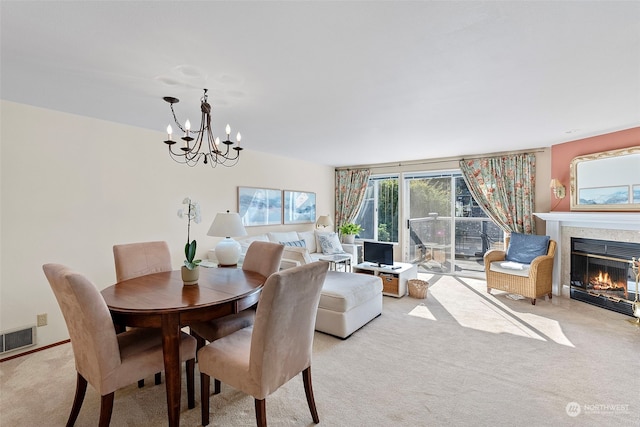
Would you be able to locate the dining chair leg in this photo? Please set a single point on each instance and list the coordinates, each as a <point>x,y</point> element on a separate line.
<point>261,412</point>
<point>200,342</point>
<point>106,407</point>
<point>216,386</point>
<point>81,389</point>
<point>308,390</point>
<point>191,369</point>
<point>204,398</point>
<point>158,380</point>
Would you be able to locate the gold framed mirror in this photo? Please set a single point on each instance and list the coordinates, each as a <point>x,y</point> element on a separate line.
<point>606,181</point>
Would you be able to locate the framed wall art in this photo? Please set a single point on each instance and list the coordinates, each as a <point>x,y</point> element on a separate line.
<point>259,206</point>
<point>299,207</point>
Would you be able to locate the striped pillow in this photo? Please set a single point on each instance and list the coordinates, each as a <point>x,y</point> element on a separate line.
<point>297,243</point>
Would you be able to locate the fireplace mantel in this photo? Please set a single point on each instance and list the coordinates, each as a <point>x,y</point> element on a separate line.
<point>606,220</point>
<point>599,220</point>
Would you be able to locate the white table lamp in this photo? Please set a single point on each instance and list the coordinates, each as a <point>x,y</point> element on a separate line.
<point>227,225</point>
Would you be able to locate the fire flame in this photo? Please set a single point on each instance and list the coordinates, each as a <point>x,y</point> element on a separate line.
<point>602,281</point>
<point>603,278</point>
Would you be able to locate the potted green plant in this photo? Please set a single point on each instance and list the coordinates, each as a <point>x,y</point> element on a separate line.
<point>349,230</point>
<point>190,271</point>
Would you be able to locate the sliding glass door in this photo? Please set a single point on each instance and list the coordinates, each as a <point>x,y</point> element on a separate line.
<point>433,216</point>
<point>447,231</point>
<point>428,198</point>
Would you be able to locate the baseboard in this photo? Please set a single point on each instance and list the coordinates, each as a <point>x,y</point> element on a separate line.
<point>15,356</point>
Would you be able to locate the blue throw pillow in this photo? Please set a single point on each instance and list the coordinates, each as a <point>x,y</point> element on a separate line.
<point>524,248</point>
<point>297,243</point>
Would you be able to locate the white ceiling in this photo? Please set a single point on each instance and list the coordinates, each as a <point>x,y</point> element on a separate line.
<point>337,82</point>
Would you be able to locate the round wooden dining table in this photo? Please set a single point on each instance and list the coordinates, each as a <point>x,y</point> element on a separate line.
<point>161,300</point>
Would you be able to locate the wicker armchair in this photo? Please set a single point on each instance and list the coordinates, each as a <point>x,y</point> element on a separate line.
<point>532,283</point>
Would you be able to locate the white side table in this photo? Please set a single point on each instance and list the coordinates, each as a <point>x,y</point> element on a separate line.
<point>336,259</point>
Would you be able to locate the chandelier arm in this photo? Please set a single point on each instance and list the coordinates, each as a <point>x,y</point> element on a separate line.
<point>178,154</point>
<point>182,159</point>
<point>198,142</point>
<point>175,119</point>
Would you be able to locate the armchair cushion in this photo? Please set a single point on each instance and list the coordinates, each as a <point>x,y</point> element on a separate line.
<point>506,268</point>
<point>523,248</point>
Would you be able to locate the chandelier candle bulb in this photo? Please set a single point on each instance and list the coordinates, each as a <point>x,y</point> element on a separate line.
<point>169,132</point>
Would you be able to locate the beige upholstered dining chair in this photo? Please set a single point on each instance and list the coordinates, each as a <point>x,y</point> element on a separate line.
<point>106,360</point>
<point>263,258</point>
<point>258,360</point>
<point>139,259</point>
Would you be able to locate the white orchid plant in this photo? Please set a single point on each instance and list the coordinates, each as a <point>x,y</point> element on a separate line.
<point>192,213</point>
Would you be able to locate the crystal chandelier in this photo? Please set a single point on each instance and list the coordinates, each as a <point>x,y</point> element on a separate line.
<point>205,146</point>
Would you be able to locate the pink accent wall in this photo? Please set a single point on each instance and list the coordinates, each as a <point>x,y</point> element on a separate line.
<point>562,154</point>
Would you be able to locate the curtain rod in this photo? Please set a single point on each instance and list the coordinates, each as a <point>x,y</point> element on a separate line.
<point>441,160</point>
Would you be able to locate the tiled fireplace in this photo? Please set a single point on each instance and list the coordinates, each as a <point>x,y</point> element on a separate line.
<point>603,226</point>
<point>601,273</point>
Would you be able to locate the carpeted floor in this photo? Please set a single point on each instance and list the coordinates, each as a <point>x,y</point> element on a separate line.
<point>458,358</point>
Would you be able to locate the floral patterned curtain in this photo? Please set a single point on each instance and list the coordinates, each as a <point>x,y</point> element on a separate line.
<point>350,188</point>
<point>504,187</point>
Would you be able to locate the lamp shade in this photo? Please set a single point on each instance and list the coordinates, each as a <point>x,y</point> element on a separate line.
<point>325,221</point>
<point>227,225</point>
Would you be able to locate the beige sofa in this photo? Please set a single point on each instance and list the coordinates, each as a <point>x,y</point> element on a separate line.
<point>293,255</point>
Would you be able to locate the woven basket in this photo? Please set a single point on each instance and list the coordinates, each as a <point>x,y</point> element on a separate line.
<point>417,288</point>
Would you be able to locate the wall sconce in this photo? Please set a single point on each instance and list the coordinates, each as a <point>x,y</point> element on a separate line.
<point>324,221</point>
<point>558,189</point>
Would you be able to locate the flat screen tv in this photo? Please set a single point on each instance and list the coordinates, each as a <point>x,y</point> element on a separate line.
<point>378,253</point>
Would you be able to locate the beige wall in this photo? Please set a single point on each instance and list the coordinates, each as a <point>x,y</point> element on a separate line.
<point>72,187</point>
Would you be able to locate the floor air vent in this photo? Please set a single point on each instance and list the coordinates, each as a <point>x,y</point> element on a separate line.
<point>17,338</point>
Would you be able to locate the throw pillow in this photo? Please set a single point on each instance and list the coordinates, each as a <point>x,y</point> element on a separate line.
<point>309,238</point>
<point>298,243</point>
<point>318,234</point>
<point>330,243</point>
<point>524,248</point>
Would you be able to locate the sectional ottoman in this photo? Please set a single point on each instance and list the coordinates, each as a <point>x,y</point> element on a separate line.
<point>348,301</point>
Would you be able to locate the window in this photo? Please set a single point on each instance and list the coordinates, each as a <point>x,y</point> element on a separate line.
<point>378,214</point>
